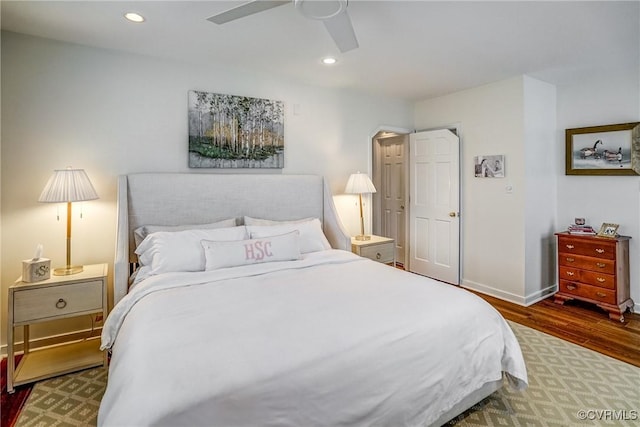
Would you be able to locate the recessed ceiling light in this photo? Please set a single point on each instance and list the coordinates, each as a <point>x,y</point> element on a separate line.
<point>134,17</point>
<point>329,60</point>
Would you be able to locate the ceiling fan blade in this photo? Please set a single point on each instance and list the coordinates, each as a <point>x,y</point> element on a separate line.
<point>341,30</point>
<point>245,9</point>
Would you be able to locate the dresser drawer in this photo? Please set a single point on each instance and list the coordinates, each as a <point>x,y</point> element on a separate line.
<point>586,291</point>
<point>598,249</point>
<point>606,266</point>
<point>588,277</point>
<point>380,252</point>
<point>598,279</point>
<point>54,301</point>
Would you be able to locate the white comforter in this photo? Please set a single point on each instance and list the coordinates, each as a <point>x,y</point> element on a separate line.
<point>330,340</point>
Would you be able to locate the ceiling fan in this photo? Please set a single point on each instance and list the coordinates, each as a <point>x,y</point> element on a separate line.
<point>332,13</point>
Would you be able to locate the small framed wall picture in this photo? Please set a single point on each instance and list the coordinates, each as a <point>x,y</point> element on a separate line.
<point>489,166</point>
<point>608,230</point>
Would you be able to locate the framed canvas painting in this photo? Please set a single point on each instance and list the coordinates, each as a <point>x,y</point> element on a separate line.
<point>227,131</point>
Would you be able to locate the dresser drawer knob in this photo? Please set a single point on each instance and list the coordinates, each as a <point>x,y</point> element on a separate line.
<point>601,280</point>
<point>571,287</point>
<point>600,251</point>
<point>570,273</point>
<point>61,303</point>
<point>601,294</point>
<point>570,246</point>
<point>378,255</point>
<point>601,264</point>
<point>569,259</point>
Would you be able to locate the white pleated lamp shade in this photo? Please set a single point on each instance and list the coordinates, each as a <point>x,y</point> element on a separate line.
<point>359,183</point>
<point>68,185</point>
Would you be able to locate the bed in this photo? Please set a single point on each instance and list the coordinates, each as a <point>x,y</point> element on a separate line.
<point>317,336</point>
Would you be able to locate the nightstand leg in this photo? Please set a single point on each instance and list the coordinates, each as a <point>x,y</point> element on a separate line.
<point>25,339</point>
<point>11,360</point>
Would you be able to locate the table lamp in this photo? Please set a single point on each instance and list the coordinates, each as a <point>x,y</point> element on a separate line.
<point>68,185</point>
<point>359,183</point>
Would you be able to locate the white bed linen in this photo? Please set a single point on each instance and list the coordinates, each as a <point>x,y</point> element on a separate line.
<point>329,340</point>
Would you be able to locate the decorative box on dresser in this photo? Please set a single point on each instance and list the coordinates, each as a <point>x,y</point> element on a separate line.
<point>596,270</point>
<point>377,248</point>
<point>58,297</point>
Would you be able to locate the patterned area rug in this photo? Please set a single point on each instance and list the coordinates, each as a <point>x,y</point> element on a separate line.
<point>69,400</point>
<point>568,386</point>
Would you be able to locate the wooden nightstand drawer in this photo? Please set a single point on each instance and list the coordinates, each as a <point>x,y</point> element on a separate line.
<point>380,253</point>
<point>55,301</point>
<point>376,248</point>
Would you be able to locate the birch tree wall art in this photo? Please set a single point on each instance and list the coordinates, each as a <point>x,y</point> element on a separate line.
<point>227,131</point>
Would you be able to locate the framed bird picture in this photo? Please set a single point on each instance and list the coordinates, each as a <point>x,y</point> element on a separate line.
<point>603,150</point>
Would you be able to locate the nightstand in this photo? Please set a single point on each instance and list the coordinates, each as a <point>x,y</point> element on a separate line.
<point>59,297</point>
<point>381,249</point>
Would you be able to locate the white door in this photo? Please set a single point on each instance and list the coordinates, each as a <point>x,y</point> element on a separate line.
<point>434,179</point>
<point>393,192</point>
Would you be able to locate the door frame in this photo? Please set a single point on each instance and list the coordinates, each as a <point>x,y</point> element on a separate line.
<point>374,159</point>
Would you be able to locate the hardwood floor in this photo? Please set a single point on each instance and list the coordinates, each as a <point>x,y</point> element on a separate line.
<point>580,323</point>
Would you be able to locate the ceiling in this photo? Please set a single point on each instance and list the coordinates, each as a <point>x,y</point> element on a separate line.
<point>408,49</point>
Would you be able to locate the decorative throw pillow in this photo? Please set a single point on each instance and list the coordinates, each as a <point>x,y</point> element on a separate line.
<point>141,232</point>
<point>219,254</point>
<point>312,239</point>
<point>167,251</point>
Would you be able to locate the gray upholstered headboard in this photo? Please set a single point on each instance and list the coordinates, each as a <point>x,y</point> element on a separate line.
<point>174,199</point>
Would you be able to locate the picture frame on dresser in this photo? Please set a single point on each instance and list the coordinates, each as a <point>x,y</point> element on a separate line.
<point>603,150</point>
<point>608,229</point>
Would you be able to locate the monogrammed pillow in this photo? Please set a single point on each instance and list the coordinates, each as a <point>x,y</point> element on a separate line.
<point>285,247</point>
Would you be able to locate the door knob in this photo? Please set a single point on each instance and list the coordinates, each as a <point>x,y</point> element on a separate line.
<point>453,214</point>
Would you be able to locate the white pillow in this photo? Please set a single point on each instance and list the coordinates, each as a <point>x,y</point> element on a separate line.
<point>167,251</point>
<point>141,232</point>
<point>312,239</point>
<point>231,254</point>
<point>259,221</point>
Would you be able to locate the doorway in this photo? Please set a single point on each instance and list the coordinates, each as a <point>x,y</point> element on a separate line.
<point>417,202</point>
<point>390,159</point>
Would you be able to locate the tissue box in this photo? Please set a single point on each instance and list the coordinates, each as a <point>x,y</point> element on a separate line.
<point>34,270</point>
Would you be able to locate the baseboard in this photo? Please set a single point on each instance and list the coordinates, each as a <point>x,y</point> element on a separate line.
<point>51,340</point>
<point>525,301</point>
<point>540,295</point>
<point>497,293</point>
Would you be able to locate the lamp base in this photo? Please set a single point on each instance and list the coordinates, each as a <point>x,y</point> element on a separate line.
<point>363,237</point>
<point>68,270</point>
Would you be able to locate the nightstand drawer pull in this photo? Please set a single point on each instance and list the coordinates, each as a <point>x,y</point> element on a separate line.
<point>378,255</point>
<point>601,280</point>
<point>600,251</point>
<point>570,246</point>
<point>569,259</point>
<point>570,273</point>
<point>601,294</point>
<point>61,304</point>
<point>600,265</point>
<point>571,287</point>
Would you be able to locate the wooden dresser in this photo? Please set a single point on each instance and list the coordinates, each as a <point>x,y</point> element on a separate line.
<point>596,270</point>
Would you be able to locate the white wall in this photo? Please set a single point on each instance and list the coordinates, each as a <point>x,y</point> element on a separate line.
<point>607,97</point>
<point>113,113</point>
<point>541,149</point>
<point>491,122</point>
